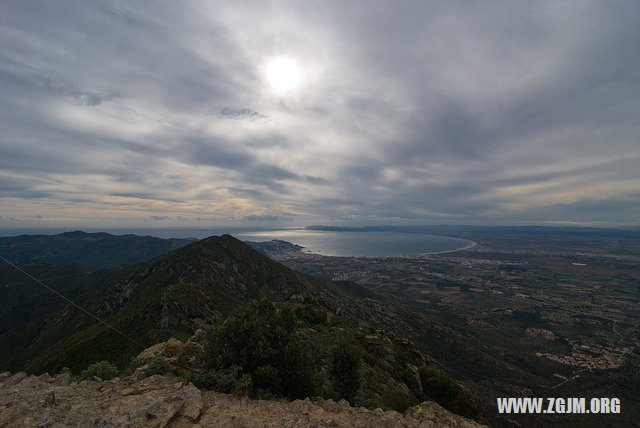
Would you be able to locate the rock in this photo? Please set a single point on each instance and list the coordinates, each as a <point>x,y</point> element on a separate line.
<point>198,337</point>
<point>62,379</point>
<point>223,410</point>
<point>15,379</point>
<point>329,405</point>
<point>296,405</point>
<point>190,354</point>
<point>45,377</point>
<point>159,401</point>
<point>151,402</point>
<point>343,405</point>
<point>192,407</point>
<point>172,348</point>
<point>49,400</point>
<point>433,412</point>
<point>129,391</point>
<point>177,355</point>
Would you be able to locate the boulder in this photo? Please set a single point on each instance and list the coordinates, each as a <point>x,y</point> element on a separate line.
<point>172,348</point>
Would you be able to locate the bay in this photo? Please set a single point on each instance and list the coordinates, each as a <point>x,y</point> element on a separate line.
<point>360,244</point>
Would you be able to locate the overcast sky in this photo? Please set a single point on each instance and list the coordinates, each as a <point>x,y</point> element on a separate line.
<point>477,112</point>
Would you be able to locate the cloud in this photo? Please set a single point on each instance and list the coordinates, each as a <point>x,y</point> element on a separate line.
<point>421,111</point>
<point>236,113</point>
<point>159,217</point>
<point>26,78</point>
<point>85,98</point>
<point>267,218</point>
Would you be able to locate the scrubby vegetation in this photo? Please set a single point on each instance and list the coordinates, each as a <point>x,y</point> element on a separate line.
<point>346,359</point>
<point>439,387</point>
<point>256,349</point>
<point>103,370</point>
<point>301,348</point>
<point>156,366</point>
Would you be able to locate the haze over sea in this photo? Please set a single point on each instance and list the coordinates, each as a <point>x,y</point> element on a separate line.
<point>324,242</point>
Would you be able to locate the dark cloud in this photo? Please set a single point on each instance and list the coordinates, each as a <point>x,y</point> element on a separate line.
<point>266,218</point>
<point>159,217</point>
<point>237,113</point>
<point>66,89</point>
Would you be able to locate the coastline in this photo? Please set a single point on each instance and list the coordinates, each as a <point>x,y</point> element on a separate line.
<point>305,250</point>
<point>468,247</point>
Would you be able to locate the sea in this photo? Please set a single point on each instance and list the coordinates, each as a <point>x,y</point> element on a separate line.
<point>361,243</point>
<point>324,242</point>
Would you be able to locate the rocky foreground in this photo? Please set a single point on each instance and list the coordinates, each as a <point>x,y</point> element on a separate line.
<point>162,401</point>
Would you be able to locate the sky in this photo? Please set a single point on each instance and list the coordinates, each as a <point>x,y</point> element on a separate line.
<point>163,113</point>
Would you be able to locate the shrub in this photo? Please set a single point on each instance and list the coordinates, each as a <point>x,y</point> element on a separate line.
<point>439,387</point>
<point>260,338</point>
<point>156,365</point>
<point>267,378</point>
<point>223,380</point>
<point>345,367</point>
<point>103,370</point>
<point>243,386</point>
<point>312,313</point>
<point>397,398</point>
<point>436,385</point>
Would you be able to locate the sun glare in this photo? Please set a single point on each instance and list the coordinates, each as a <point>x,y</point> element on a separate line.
<point>283,75</point>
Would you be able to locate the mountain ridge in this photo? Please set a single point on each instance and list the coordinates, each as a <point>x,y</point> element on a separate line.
<point>173,294</point>
<point>94,250</point>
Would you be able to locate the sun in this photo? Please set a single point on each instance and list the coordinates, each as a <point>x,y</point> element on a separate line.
<point>283,75</point>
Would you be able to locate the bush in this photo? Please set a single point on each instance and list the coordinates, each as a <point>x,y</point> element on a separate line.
<point>312,313</point>
<point>156,365</point>
<point>345,367</point>
<point>397,398</point>
<point>437,385</point>
<point>243,386</point>
<point>440,388</point>
<point>267,378</point>
<point>223,380</point>
<point>260,339</point>
<point>104,370</point>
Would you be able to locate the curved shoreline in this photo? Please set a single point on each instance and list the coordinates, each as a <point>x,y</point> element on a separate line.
<point>472,245</point>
